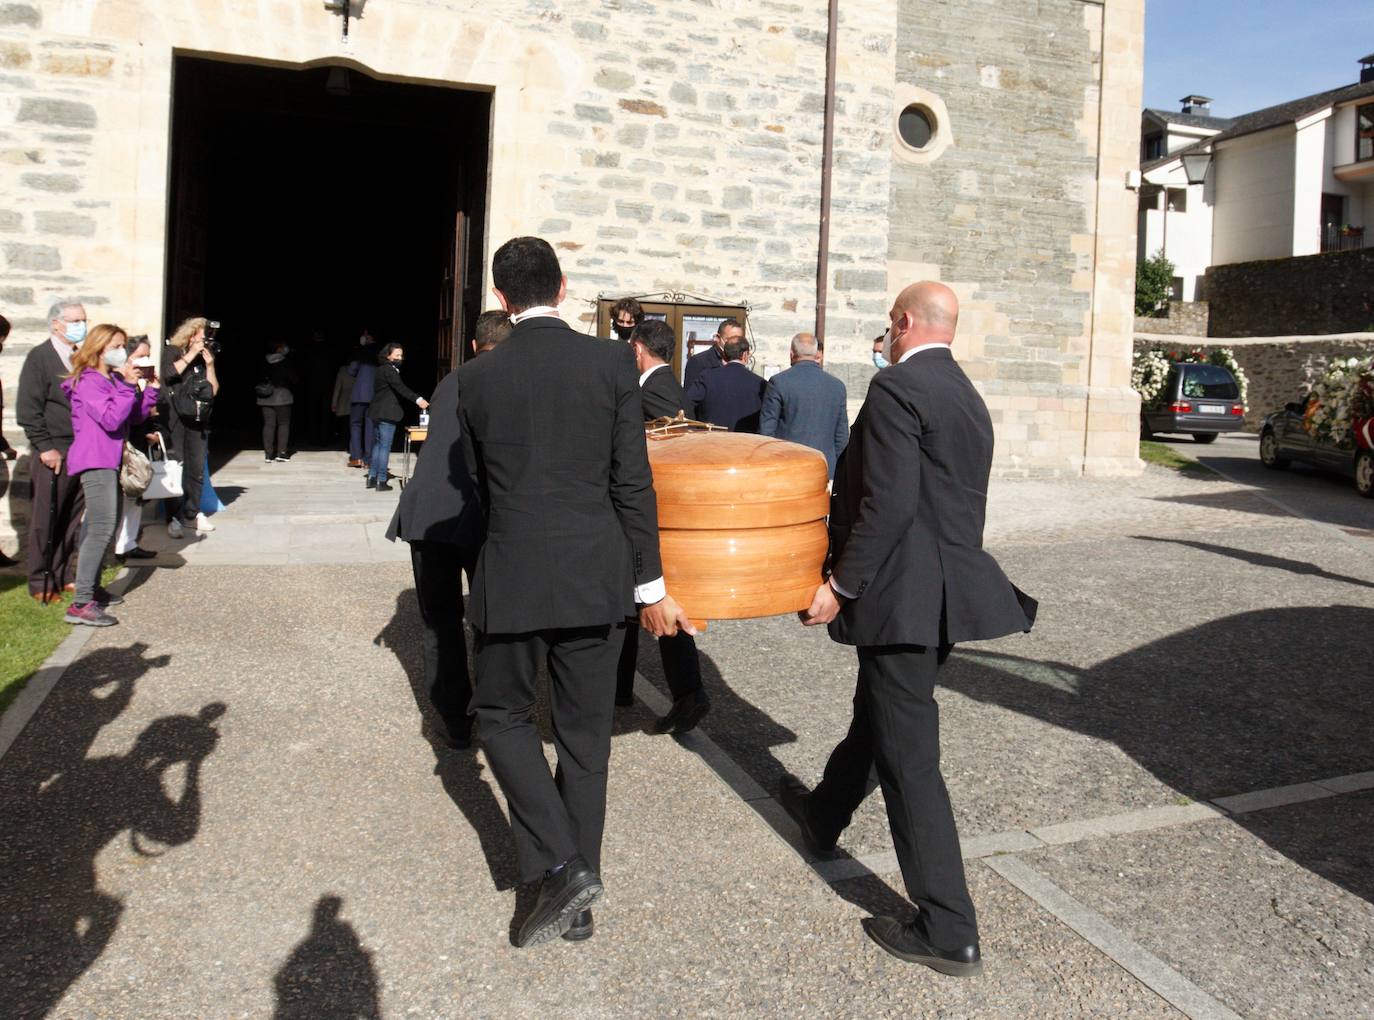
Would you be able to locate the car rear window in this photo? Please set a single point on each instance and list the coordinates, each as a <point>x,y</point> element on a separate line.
<point>1209,381</point>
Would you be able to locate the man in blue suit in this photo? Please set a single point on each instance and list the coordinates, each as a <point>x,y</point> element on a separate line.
<point>805,405</point>
<point>729,396</point>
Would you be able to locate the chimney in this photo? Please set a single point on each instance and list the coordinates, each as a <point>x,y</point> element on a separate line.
<point>1367,69</point>
<point>1200,105</point>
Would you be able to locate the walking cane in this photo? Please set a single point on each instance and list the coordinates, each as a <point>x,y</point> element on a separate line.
<point>48,579</point>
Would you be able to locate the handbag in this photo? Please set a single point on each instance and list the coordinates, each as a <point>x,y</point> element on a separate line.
<point>166,481</point>
<point>264,389</point>
<point>135,471</point>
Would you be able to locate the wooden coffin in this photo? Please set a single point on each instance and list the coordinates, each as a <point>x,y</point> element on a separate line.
<point>741,522</point>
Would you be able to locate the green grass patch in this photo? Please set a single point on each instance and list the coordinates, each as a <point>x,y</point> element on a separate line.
<point>29,633</point>
<point>1164,455</point>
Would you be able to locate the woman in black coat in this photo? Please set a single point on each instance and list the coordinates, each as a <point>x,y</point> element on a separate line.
<point>389,397</point>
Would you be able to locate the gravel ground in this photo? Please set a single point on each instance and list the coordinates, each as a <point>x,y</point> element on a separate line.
<point>228,806</point>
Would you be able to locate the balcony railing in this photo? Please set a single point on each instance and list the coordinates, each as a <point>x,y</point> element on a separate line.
<point>1342,238</point>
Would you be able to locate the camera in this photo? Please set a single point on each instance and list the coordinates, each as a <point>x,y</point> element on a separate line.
<point>211,344</point>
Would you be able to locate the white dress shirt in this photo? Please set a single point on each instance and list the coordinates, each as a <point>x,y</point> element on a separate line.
<point>644,377</point>
<point>533,313</point>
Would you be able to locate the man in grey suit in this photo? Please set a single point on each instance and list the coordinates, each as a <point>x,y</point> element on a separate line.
<point>909,579</point>
<point>805,405</point>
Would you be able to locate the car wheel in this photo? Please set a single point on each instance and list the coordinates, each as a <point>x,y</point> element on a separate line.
<point>1205,437</point>
<point>1364,473</point>
<point>1269,451</point>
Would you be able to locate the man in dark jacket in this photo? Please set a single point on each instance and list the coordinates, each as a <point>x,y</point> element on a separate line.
<point>45,415</point>
<point>713,357</point>
<point>908,580</point>
<point>439,516</point>
<point>805,405</point>
<point>363,368</point>
<point>553,436</point>
<point>729,396</point>
<point>661,396</point>
<point>389,397</point>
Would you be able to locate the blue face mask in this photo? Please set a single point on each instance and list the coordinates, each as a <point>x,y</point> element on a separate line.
<point>879,361</point>
<point>76,332</point>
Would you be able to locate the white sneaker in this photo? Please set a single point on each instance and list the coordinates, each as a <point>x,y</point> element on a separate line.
<point>174,528</point>
<point>203,523</point>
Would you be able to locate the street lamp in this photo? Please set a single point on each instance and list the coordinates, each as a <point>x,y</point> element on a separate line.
<point>1196,165</point>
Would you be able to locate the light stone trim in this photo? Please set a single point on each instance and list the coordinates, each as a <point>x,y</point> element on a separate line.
<point>942,138</point>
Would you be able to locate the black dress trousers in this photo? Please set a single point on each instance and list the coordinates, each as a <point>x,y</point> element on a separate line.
<point>681,664</point>
<point>438,568</point>
<point>896,727</point>
<point>70,503</point>
<point>553,817</point>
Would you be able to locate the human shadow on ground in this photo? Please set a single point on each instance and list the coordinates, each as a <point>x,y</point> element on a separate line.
<point>329,974</point>
<point>62,808</point>
<point>1253,701</point>
<point>1262,560</point>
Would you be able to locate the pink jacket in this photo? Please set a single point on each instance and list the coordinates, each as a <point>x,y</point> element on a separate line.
<point>102,410</point>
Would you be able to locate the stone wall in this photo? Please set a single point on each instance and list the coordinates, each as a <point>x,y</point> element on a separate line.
<point>1181,318</point>
<point>1026,216</point>
<point>1309,295</point>
<point>1275,367</point>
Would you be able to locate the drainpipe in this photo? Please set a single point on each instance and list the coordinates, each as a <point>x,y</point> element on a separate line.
<point>827,160</point>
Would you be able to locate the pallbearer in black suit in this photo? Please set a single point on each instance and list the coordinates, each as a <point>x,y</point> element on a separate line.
<point>553,437</point>
<point>712,357</point>
<point>908,580</point>
<point>661,396</point>
<point>439,516</point>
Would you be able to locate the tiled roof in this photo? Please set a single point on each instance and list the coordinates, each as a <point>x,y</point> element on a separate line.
<point>1191,119</point>
<point>1293,110</point>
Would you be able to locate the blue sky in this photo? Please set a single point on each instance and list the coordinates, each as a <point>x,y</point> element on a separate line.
<point>1249,54</point>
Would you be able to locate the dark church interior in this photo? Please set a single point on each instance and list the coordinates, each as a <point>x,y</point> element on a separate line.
<point>323,200</point>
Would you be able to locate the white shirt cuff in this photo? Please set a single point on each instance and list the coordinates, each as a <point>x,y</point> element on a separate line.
<point>835,586</point>
<point>649,592</point>
<point>419,401</point>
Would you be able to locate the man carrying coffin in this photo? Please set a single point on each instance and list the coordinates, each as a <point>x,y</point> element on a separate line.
<point>908,580</point>
<point>553,437</point>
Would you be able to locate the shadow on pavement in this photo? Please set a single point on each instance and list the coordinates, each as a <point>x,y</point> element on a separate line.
<point>1252,701</point>
<point>329,974</point>
<point>62,808</point>
<point>1262,560</point>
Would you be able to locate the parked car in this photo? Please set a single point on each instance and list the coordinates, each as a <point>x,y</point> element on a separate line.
<point>1202,401</point>
<point>1284,440</point>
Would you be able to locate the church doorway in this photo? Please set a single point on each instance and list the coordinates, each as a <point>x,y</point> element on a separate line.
<point>322,200</point>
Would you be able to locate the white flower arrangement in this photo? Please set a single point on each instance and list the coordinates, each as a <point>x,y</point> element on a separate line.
<point>1342,393</point>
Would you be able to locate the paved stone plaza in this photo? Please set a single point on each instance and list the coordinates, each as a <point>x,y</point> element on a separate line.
<point>227,807</point>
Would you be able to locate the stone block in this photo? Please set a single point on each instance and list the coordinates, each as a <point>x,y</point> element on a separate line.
<point>10,221</point>
<point>14,54</point>
<point>83,65</point>
<point>640,212</point>
<point>683,93</point>
<point>737,197</point>
<point>16,295</point>
<point>645,106</point>
<point>620,182</point>
<point>715,220</point>
<point>60,183</point>
<point>555,226</point>
<point>619,233</point>
<point>614,80</point>
<point>64,223</point>
<point>593,114</point>
<point>860,279</point>
<point>633,135</point>
<point>40,258</point>
<point>658,65</point>
<point>592,31</point>
<point>58,112</point>
<point>20,15</point>
<point>674,216</point>
<point>581,203</point>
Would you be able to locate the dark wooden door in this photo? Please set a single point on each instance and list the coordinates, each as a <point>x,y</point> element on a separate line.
<point>452,330</point>
<point>188,210</point>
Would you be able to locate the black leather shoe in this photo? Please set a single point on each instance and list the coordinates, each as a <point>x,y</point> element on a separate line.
<point>795,799</point>
<point>582,928</point>
<point>136,553</point>
<point>383,487</point>
<point>905,942</point>
<point>563,895</point>
<point>686,712</point>
<point>371,482</point>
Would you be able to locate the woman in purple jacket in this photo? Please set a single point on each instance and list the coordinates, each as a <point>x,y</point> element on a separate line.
<point>105,401</point>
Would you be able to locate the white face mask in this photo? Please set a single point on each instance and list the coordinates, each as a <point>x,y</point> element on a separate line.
<point>887,345</point>
<point>116,356</point>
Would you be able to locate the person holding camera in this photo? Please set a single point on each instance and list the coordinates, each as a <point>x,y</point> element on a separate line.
<point>275,398</point>
<point>188,370</point>
<point>386,411</point>
<point>142,438</point>
<point>103,390</point>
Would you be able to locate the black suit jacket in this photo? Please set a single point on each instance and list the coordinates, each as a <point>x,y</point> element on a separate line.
<point>906,524</point>
<point>730,396</point>
<point>439,503</point>
<point>553,435</point>
<point>661,394</point>
<point>389,393</point>
<point>702,361</point>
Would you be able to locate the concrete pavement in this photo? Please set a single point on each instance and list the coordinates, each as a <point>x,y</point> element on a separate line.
<point>227,806</point>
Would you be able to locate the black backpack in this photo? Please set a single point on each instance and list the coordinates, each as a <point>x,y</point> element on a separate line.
<point>194,400</point>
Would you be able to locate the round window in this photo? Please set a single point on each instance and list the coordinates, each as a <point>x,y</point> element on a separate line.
<point>916,125</point>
